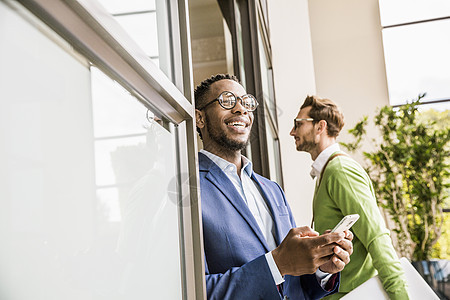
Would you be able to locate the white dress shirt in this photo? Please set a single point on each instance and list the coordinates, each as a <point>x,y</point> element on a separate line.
<point>249,191</point>
<point>322,159</point>
<point>251,194</point>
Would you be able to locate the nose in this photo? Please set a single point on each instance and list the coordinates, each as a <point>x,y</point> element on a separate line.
<point>292,133</point>
<point>239,107</point>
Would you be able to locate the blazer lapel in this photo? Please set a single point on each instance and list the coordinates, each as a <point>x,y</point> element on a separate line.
<point>271,203</point>
<point>217,177</point>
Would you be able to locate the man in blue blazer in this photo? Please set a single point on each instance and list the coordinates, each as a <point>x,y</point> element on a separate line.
<point>253,249</point>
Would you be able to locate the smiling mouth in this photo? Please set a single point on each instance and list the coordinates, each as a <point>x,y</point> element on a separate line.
<point>237,124</point>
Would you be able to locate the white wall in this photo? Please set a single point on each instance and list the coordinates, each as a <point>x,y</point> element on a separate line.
<point>332,49</point>
<point>348,58</point>
<point>294,79</point>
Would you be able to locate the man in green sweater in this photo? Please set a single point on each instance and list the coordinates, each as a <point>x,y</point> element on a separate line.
<point>343,188</point>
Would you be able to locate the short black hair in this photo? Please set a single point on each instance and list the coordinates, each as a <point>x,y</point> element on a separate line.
<point>202,89</point>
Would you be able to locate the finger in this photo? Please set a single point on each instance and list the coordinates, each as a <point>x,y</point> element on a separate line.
<point>323,260</point>
<point>338,263</point>
<point>341,254</point>
<point>349,235</point>
<point>328,238</point>
<point>306,231</point>
<point>327,231</point>
<point>325,250</point>
<point>346,245</point>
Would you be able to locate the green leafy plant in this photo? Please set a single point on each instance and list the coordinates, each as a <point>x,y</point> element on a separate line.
<point>410,171</point>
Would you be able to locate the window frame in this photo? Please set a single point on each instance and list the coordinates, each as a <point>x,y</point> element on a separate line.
<point>253,22</point>
<point>92,32</point>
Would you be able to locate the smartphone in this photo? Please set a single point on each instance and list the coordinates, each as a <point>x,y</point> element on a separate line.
<point>346,223</point>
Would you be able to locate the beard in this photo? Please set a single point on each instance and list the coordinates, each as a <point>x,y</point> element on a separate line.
<point>221,138</point>
<point>307,146</point>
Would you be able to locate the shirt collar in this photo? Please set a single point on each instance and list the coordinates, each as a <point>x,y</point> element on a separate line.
<point>228,167</point>
<point>322,159</point>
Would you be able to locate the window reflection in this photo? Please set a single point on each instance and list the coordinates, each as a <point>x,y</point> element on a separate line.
<point>240,47</point>
<point>85,210</point>
<point>129,117</point>
<point>273,153</point>
<point>108,203</point>
<point>134,173</point>
<point>266,78</point>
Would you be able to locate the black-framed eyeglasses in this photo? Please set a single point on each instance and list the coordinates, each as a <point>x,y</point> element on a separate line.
<point>228,100</point>
<point>301,119</point>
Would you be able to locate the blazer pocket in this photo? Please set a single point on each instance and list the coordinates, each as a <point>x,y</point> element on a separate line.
<point>282,210</point>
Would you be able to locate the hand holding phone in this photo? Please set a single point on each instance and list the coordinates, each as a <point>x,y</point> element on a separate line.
<point>346,223</point>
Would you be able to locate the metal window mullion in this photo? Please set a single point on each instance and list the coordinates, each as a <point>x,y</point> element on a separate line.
<point>190,210</point>
<point>415,22</point>
<point>425,102</point>
<point>164,27</point>
<point>185,59</point>
<point>133,13</point>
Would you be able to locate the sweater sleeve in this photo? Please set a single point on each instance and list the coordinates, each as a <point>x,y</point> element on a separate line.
<point>389,269</point>
<point>350,187</point>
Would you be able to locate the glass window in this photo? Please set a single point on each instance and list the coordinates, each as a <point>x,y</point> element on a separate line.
<point>142,28</point>
<point>147,23</point>
<point>240,48</point>
<point>273,152</point>
<point>211,41</point>
<point>417,61</point>
<point>228,48</point>
<point>268,99</point>
<point>135,176</point>
<point>87,204</point>
<point>129,6</point>
<point>403,11</point>
<point>266,77</point>
<point>416,39</point>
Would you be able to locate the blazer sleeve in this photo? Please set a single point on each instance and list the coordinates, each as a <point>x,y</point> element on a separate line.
<point>252,280</point>
<point>305,286</point>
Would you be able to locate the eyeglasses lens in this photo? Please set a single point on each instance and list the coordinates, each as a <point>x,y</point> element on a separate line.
<point>249,102</point>
<point>228,100</point>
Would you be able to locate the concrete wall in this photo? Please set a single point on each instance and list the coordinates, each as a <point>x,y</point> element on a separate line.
<point>293,68</point>
<point>332,48</point>
<point>348,58</point>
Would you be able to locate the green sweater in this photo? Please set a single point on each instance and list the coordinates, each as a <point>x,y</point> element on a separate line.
<point>347,189</point>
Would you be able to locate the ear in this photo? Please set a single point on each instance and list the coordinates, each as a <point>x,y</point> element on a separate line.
<point>199,119</point>
<point>321,126</point>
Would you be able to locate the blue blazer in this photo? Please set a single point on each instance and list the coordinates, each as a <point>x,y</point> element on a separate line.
<point>235,248</point>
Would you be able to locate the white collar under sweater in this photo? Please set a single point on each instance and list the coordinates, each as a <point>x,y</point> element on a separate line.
<point>322,159</point>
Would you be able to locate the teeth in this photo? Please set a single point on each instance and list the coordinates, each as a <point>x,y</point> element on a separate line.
<point>238,124</point>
